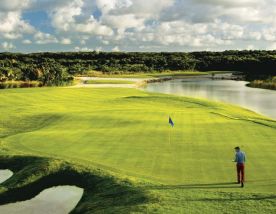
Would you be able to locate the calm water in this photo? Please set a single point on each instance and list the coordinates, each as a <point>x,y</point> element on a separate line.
<point>229,91</point>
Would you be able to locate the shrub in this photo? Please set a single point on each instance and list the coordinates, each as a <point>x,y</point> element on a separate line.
<point>20,84</point>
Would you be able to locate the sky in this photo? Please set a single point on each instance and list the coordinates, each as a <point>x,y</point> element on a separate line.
<point>137,25</point>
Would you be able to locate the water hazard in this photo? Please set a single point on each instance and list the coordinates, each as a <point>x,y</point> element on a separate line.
<point>235,92</point>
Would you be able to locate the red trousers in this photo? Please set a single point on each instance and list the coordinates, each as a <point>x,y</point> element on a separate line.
<point>240,172</point>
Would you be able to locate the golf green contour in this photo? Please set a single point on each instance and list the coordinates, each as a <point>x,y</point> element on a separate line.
<point>118,145</point>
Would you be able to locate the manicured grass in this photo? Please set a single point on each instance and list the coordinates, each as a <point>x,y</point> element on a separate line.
<point>108,82</point>
<point>125,133</point>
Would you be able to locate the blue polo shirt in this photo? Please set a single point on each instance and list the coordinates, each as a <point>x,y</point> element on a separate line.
<point>240,157</point>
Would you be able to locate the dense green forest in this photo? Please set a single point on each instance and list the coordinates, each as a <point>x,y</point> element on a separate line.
<point>56,68</point>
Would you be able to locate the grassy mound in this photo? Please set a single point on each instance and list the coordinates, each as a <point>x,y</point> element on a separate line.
<point>103,192</point>
<point>125,132</point>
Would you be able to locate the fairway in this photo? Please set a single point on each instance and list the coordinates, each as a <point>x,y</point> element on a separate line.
<point>126,132</point>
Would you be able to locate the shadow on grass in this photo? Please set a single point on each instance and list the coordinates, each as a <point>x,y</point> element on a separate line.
<point>197,186</point>
<point>225,196</point>
<point>102,192</point>
<point>250,198</point>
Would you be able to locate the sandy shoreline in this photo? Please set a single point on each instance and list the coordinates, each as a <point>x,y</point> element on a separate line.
<point>137,82</point>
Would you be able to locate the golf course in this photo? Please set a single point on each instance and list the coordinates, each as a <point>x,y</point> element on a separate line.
<point>117,144</point>
<point>137,106</point>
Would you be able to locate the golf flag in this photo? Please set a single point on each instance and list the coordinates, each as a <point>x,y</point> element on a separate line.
<point>171,122</point>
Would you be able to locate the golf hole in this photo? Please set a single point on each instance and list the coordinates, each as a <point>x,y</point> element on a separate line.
<point>5,174</point>
<point>54,200</point>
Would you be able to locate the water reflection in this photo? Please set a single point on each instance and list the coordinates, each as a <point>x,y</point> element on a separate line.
<point>229,91</point>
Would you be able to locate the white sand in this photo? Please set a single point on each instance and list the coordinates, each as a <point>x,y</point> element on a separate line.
<point>136,83</point>
<point>5,175</point>
<point>55,200</point>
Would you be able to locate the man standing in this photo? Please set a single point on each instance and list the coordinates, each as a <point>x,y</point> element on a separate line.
<point>240,160</point>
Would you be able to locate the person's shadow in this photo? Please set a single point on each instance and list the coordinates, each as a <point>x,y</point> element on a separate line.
<point>197,186</point>
<point>221,185</point>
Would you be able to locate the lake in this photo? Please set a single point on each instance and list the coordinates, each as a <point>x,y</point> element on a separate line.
<point>229,91</point>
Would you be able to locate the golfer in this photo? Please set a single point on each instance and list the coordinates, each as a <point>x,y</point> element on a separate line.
<point>240,160</point>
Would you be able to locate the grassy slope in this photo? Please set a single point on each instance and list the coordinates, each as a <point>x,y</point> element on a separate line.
<point>34,174</point>
<point>126,131</point>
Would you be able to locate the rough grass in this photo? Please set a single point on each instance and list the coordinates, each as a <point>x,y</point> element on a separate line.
<point>20,84</point>
<point>125,133</point>
<point>266,84</point>
<point>145,75</point>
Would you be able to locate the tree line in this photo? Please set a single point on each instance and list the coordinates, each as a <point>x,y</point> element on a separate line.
<point>55,68</point>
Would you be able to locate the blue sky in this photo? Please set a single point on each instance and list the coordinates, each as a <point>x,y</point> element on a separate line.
<point>136,25</point>
<point>39,19</point>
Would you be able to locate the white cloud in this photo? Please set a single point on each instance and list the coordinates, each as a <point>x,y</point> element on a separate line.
<point>63,16</point>
<point>250,47</point>
<point>64,19</point>
<point>65,41</point>
<point>44,38</point>
<point>93,28</point>
<point>7,46</point>
<point>12,26</point>
<point>229,3</point>
<point>269,34</point>
<point>98,49</point>
<point>108,5</point>
<point>105,42</point>
<point>152,24</point>
<point>14,5</point>
<point>82,49</point>
<point>121,15</point>
<point>272,46</point>
<point>27,41</point>
<point>181,33</point>
<point>116,49</point>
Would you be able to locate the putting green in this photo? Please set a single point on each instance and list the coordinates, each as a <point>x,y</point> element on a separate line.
<point>127,131</point>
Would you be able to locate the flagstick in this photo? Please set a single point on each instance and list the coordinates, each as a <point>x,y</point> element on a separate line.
<point>169,136</point>
<point>171,124</point>
<point>170,132</point>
